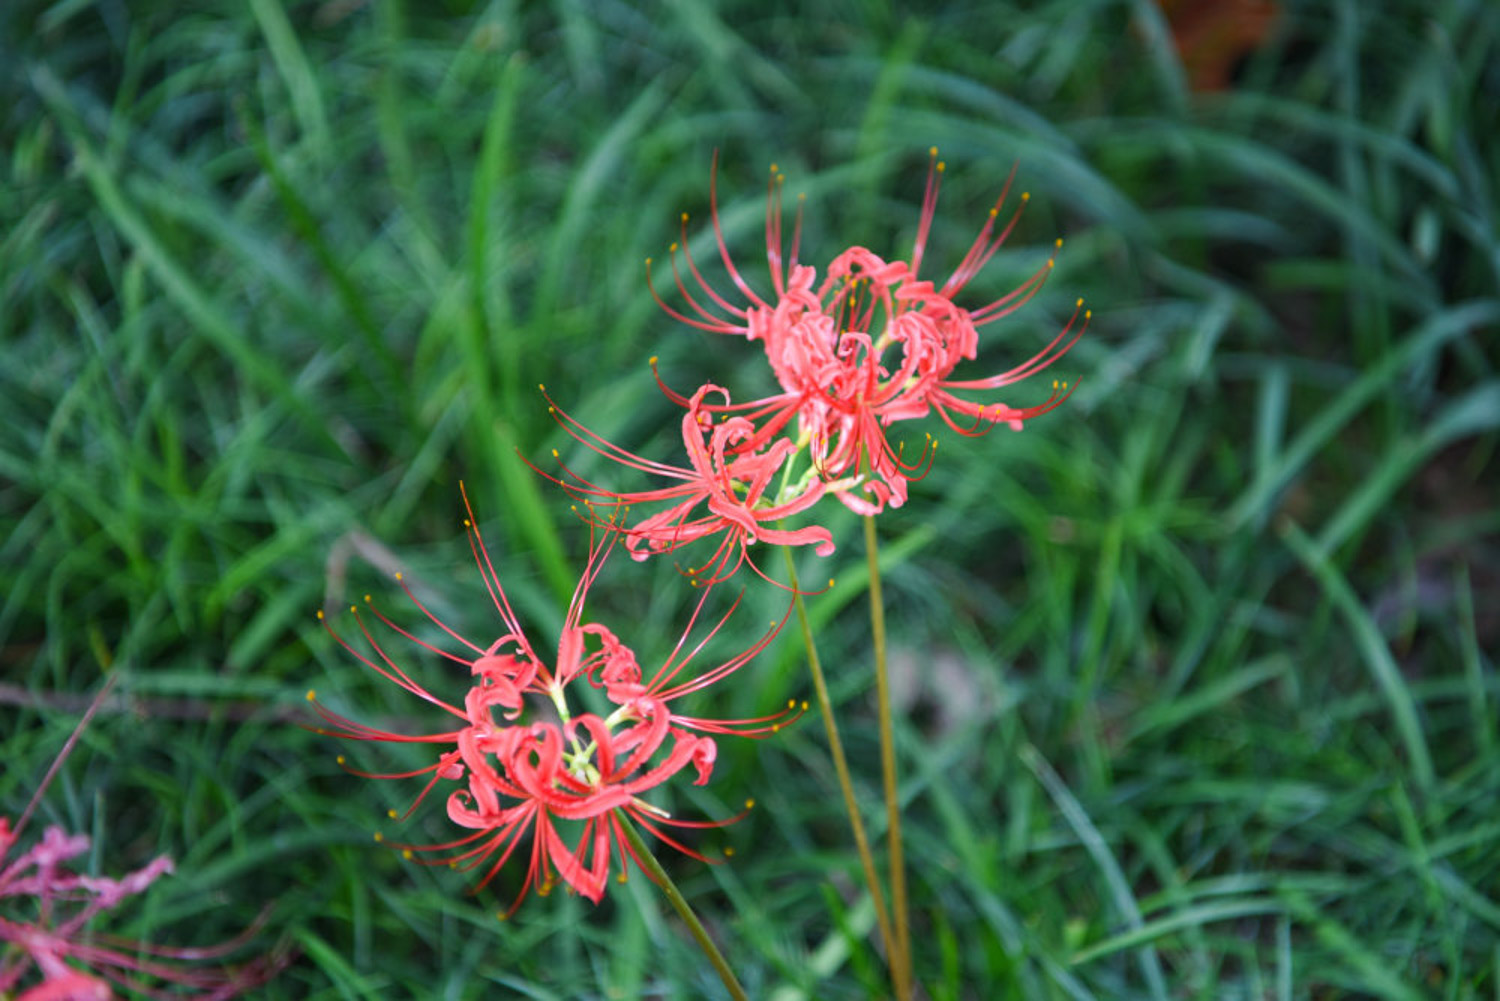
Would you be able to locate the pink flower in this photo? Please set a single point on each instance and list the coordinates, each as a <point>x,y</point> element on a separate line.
<point>875,343</point>
<point>563,779</point>
<point>75,963</point>
<point>50,909</point>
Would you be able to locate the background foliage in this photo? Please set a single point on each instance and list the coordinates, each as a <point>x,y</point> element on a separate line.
<point>1199,671</point>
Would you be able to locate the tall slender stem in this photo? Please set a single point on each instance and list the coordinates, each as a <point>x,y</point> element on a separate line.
<point>679,903</point>
<point>901,967</point>
<point>841,765</point>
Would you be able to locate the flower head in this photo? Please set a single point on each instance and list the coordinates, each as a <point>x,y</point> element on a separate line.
<point>523,762</point>
<point>872,344</point>
<point>728,490</point>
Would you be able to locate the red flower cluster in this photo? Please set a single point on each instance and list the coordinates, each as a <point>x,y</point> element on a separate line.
<point>872,344</point>
<point>525,762</point>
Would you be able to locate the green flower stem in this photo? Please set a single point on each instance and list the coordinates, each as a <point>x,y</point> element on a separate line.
<point>841,764</point>
<point>679,903</point>
<point>901,967</point>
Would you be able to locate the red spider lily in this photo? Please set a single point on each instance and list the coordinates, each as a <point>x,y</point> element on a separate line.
<point>582,773</point>
<point>577,772</point>
<point>828,347</point>
<point>52,907</point>
<point>723,493</point>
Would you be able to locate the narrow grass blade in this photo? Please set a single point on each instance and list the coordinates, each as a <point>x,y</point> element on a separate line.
<point>1114,878</point>
<point>1256,502</point>
<point>1372,646</point>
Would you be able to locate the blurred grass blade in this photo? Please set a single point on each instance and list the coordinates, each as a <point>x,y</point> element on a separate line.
<point>208,316</point>
<point>1478,411</point>
<point>1376,977</point>
<point>1093,842</point>
<point>1255,503</point>
<point>1372,647</point>
<point>1194,916</point>
<point>297,73</point>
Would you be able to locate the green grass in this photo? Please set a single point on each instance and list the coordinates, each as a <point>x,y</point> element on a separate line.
<point>1200,669</point>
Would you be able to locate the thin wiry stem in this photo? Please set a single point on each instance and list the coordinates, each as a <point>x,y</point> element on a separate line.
<point>901,966</point>
<point>679,903</point>
<point>840,763</point>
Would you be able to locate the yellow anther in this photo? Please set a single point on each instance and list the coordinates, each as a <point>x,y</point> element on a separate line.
<point>500,915</point>
<point>312,696</point>
<point>1054,384</point>
<point>830,582</point>
<point>775,727</point>
<point>320,615</point>
<point>673,248</point>
<point>648,262</point>
<point>684,217</point>
<point>542,386</point>
<point>406,854</point>
<point>339,759</point>
<point>620,879</point>
<point>398,574</point>
<point>1078,303</point>
<point>749,804</point>
<point>773,168</point>
<point>791,703</point>
<point>941,166</point>
<point>1059,243</point>
<point>729,852</point>
<point>392,814</point>
<point>354,608</point>
<point>994,213</point>
<point>1051,263</point>
<point>804,705</point>
<point>1088,314</point>
<point>379,836</point>
<point>367,599</point>
<point>932,151</point>
<point>651,360</point>
<point>468,523</point>
<point>555,455</point>
<point>1025,196</point>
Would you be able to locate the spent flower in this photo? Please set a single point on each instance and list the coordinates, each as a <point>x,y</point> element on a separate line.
<point>54,952</point>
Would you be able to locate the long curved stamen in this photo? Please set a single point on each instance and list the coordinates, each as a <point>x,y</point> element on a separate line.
<point>1067,337</point>
<point>713,214</point>
<point>935,168</point>
<point>983,247</point>
<point>709,322</point>
<point>1018,297</point>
